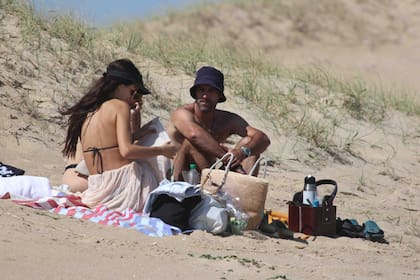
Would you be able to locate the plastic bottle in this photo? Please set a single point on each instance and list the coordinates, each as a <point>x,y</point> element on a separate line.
<point>309,191</point>
<point>192,176</point>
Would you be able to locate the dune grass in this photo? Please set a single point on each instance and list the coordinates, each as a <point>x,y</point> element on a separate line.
<point>305,101</point>
<point>68,27</point>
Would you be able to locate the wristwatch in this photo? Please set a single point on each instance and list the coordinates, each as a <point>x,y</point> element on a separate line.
<point>246,151</point>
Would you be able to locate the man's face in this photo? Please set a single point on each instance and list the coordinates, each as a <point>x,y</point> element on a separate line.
<point>206,97</point>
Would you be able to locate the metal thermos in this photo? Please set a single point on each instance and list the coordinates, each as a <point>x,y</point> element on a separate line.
<point>309,191</point>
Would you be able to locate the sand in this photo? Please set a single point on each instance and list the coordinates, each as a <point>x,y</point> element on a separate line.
<point>379,182</point>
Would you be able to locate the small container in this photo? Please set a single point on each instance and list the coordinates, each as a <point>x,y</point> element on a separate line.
<point>191,176</point>
<point>309,191</point>
<point>238,226</point>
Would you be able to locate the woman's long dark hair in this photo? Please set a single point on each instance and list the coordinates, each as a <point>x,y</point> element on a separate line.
<point>100,91</point>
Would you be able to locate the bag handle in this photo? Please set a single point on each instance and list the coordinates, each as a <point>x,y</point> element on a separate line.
<point>256,164</point>
<point>226,170</point>
<point>328,198</point>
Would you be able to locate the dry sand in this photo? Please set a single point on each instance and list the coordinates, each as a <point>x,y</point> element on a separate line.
<point>381,182</point>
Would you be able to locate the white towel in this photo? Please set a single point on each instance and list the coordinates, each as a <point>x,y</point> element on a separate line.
<point>25,187</point>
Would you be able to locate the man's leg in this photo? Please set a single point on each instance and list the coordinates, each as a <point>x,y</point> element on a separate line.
<point>187,154</point>
<point>249,162</point>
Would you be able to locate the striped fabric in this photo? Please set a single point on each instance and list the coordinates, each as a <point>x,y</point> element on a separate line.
<point>71,206</point>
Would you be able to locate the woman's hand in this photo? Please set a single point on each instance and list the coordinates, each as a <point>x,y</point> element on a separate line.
<point>169,150</point>
<point>135,116</point>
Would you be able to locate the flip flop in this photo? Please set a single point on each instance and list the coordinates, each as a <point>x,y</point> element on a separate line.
<point>350,228</point>
<point>372,231</point>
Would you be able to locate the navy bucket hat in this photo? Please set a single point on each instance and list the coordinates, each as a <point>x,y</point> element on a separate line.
<point>208,75</point>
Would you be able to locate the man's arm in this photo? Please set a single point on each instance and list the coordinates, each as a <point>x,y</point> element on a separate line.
<point>184,122</point>
<point>253,142</point>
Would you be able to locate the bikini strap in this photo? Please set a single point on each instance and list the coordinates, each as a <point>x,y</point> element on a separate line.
<point>97,152</point>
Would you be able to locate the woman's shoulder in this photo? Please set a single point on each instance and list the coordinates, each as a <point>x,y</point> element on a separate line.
<point>115,104</point>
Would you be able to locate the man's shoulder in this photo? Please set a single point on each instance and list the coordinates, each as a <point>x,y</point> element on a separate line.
<point>185,108</point>
<point>230,119</point>
<point>227,114</point>
<point>183,111</point>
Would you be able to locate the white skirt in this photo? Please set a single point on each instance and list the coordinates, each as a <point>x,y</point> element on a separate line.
<point>122,188</point>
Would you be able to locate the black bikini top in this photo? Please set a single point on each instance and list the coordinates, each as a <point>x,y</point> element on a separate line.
<point>97,152</point>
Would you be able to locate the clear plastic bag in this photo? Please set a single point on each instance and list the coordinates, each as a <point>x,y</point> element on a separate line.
<point>238,219</point>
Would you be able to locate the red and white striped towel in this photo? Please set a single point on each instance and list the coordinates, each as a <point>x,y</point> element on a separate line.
<point>72,206</point>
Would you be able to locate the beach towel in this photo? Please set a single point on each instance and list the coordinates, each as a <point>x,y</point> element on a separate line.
<point>126,219</point>
<point>71,205</point>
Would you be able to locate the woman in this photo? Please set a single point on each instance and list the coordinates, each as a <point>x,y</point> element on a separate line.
<point>101,119</point>
<point>75,181</point>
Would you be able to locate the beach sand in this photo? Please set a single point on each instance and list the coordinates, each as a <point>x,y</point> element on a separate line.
<point>379,182</point>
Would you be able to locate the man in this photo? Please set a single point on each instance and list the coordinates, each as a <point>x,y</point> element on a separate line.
<point>201,129</point>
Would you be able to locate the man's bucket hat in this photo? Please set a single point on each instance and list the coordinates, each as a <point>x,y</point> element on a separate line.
<point>208,75</point>
<point>134,77</point>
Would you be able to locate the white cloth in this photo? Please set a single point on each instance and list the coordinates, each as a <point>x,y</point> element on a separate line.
<point>81,168</point>
<point>122,188</point>
<point>208,215</point>
<point>25,187</point>
<point>159,164</point>
<point>178,190</point>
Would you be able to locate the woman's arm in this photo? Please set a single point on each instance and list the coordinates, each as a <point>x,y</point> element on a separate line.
<point>132,151</point>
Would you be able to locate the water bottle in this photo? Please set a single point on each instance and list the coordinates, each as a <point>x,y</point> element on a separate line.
<point>192,176</point>
<point>309,192</point>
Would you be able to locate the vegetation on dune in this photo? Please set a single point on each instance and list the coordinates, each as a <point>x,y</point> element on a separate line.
<point>309,102</point>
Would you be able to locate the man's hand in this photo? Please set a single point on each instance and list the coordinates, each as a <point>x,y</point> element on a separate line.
<point>238,157</point>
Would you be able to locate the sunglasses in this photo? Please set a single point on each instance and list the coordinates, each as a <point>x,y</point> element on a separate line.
<point>135,94</point>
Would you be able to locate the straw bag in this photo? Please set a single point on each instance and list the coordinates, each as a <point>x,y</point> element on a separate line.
<point>249,192</point>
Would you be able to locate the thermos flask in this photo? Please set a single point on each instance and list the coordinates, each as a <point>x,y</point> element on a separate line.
<point>309,191</point>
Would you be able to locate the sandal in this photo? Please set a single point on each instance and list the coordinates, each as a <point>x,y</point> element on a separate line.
<point>372,231</point>
<point>350,228</point>
<point>274,228</point>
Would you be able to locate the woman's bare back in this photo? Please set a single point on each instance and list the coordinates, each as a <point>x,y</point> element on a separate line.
<point>99,138</point>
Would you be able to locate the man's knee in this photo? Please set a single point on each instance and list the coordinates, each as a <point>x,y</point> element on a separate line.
<point>191,154</point>
<point>186,146</point>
